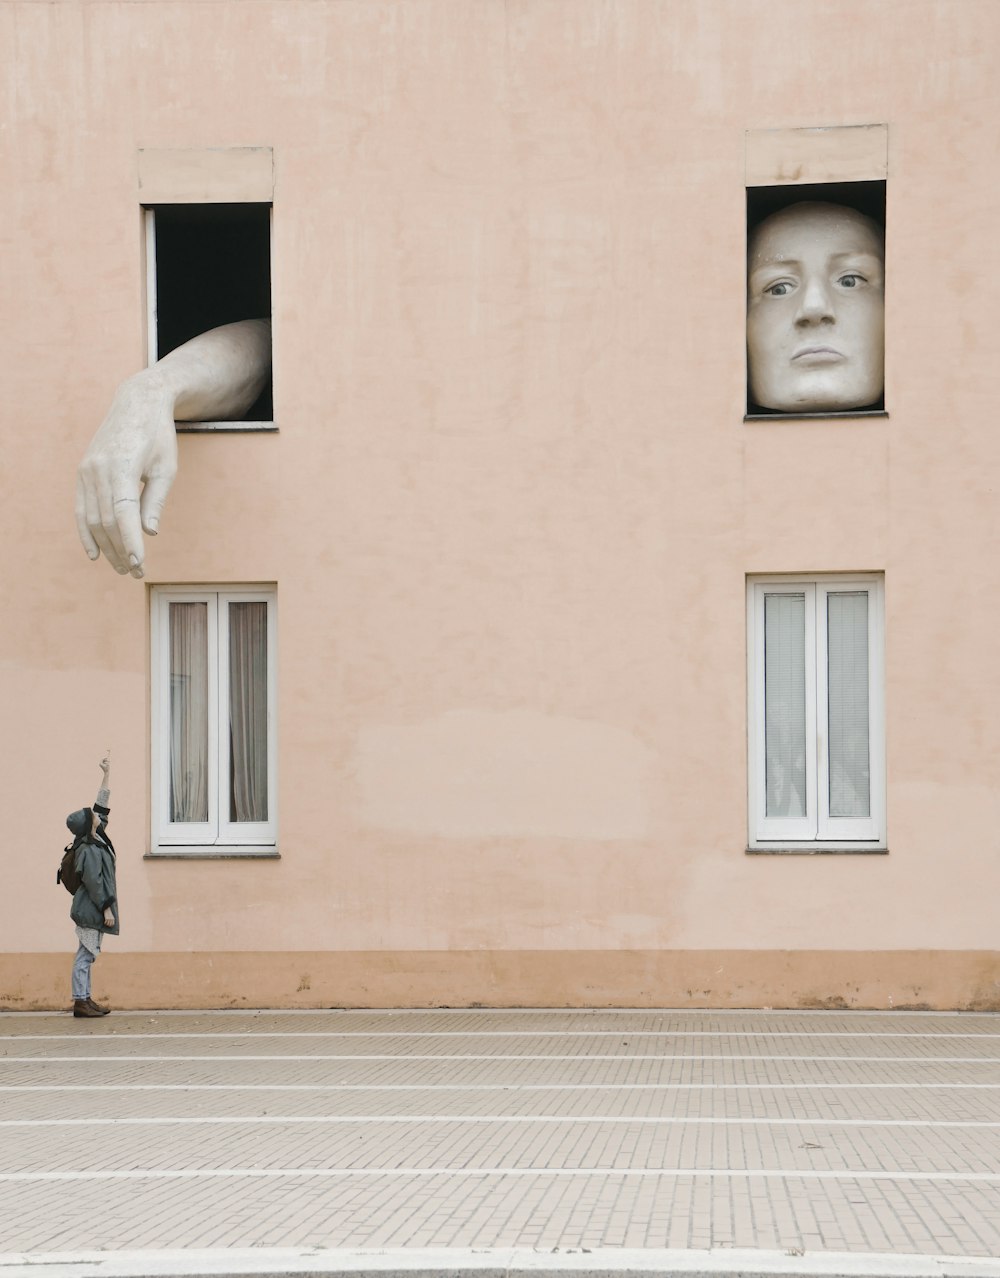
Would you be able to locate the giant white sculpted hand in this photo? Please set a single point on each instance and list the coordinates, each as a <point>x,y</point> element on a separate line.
<point>126,473</point>
<point>135,445</point>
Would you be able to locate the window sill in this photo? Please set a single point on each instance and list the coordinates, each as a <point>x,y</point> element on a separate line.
<point>213,428</point>
<point>217,852</point>
<point>849,414</point>
<point>817,849</point>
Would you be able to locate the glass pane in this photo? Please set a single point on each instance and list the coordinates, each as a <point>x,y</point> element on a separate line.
<point>189,712</point>
<point>847,657</point>
<point>248,711</point>
<point>785,704</point>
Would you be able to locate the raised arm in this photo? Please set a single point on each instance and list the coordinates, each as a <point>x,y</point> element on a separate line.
<point>104,793</point>
<point>126,473</point>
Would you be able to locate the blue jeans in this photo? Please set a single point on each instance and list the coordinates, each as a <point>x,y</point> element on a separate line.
<point>82,964</point>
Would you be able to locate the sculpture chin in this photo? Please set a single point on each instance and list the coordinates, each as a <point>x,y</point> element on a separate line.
<point>820,391</point>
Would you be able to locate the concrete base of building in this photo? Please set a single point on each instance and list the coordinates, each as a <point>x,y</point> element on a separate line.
<point>915,980</point>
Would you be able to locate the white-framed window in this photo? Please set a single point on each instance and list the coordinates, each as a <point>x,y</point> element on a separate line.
<point>816,716</point>
<point>214,722</point>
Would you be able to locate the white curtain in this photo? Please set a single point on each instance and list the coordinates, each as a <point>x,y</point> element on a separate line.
<point>248,711</point>
<point>847,656</point>
<point>785,704</point>
<point>188,712</point>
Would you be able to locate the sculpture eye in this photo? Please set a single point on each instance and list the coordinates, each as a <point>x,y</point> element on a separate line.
<point>851,281</point>
<point>779,289</point>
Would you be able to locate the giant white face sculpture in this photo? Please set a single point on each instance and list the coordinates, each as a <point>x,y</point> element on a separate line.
<point>815,309</point>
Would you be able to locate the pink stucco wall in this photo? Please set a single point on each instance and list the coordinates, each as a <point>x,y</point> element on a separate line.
<point>512,502</point>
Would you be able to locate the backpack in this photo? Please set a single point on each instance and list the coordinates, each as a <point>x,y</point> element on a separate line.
<point>67,874</point>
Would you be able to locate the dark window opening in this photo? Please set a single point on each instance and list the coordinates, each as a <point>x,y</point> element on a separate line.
<point>213,266</point>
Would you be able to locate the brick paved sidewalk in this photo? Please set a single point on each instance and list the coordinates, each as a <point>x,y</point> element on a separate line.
<point>355,1140</point>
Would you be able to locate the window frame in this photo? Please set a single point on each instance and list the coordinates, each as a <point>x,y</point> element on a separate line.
<point>817,830</point>
<point>152,332</point>
<point>219,835</point>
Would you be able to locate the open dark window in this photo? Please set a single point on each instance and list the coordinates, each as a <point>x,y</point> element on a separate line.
<point>815,300</point>
<point>208,264</point>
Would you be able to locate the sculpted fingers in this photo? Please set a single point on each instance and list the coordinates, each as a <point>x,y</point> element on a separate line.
<point>126,510</point>
<point>92,529</point>
<point>108,506</point>
<point>154,494</point>
<point>83,531</point>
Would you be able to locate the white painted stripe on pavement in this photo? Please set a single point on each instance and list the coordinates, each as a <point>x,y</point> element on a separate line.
<point>569,1119</point>
<point>676,1173</point>
<point>507,1260</point>
<point>490,1087</point>
<point>409,1057</point>
<point>461,1261</point>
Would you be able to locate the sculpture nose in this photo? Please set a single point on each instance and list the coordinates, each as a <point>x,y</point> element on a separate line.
<point>816,305</point>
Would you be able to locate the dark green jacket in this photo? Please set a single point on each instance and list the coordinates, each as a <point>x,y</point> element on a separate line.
<point>95,859</point>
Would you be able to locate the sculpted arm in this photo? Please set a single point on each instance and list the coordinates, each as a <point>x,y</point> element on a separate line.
<point>216,375</point>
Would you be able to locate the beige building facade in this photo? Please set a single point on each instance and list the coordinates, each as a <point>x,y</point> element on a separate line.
<point>510,530</point>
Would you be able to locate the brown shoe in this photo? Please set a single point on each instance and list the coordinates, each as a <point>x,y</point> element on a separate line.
<point>96,1007</point>
<point>82,1007</point>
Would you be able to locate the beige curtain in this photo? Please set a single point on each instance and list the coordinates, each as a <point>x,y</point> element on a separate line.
<point>248,711</point>
<point>847,646</point>
<point>188,712</point>
<point>785,704</point>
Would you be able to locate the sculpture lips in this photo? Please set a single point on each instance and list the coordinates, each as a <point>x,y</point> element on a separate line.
<point>818,355</point>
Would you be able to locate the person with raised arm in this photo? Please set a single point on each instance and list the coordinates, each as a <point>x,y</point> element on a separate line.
<point>95,903</point>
